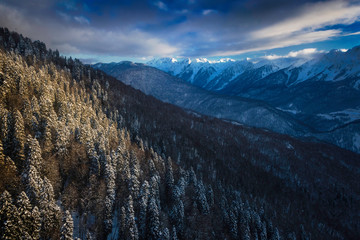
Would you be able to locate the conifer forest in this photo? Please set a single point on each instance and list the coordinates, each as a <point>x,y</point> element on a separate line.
<point>84,156</point>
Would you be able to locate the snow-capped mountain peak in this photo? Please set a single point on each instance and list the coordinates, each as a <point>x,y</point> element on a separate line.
<point>335,65</point>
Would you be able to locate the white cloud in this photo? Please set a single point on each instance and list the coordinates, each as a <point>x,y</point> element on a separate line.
<point>304,53</point>
<point>64,16</point>
<point>300,38</point>
<point>312,17</point>
<point>82,20</point>
<point>74,38</point>
<point>13,18</point>
<point>306,27</point>
<point>208,11</point>
<point>161,5</point>
<point>352,34</point>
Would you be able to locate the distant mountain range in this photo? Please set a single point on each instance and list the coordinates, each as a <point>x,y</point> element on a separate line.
<point>174,90</point>
<point>318,98</point>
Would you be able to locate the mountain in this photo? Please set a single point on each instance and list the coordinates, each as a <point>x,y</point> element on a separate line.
<point>288,83</point>
<point>83,155</point>
<point>173,90</point>
<point>322,92</point>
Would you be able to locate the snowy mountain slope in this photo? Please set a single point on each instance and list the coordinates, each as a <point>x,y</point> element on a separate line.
<point>200,71</point>
<point>336,65</point>
<point>173,90</point>
<point>316,91</point>
<point>318,102</point>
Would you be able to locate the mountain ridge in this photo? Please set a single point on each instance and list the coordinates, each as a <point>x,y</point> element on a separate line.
<point>322,92</point>
<point>182,93</point>
<point>175,91</point>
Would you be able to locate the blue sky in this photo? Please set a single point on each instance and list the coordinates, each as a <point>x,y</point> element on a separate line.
<point>110,30</point>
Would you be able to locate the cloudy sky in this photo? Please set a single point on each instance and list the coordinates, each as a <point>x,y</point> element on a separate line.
<point>114,30</point>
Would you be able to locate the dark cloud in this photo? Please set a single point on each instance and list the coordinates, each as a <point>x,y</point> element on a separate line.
<point>145,28</point>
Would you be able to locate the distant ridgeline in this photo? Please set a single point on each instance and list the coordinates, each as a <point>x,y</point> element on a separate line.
<point>84,156</point>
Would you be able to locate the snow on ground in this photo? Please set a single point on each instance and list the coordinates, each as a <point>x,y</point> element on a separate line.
<point>292,111</point>
<point>347,115</point>
<point>356,142</point>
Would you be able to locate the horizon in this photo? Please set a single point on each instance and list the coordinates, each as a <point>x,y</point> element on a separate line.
<point>138,31</point>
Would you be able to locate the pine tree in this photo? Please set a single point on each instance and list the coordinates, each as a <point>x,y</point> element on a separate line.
<point>50,212</point>
<point>169,179</point>
<point>51,219</point>
<point>232,224</point>
<point>122,220</point>
<point>94,161</point>
<point>153,221</point>
<point>2,155</point>
<point>144,197</point>
<point>174,234</point>
<point>25,209</point>
<point>110,193</point>
<point>134,184</point>
<point>165,234</point>
<point>36,223</point>
<point>10,221</point>
<point>19,136</point>
<point>263,233</point>
<point>276,235</point>
<point>67,228</point>
<point>33,183</point>
<point>4,125</point>
<point>132,231</point>
<point>33,153</point>
<point>61,138</point>
<point>15,139</point>
<point>155,189</point>
<point>291,236</point>
<point>210,196</point>
<point>201,198</point>
<point>246,233</point>
<point>152,167</point>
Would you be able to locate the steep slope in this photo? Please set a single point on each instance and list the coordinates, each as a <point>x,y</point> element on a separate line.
<point>326,84</point>
<point>173,90</point>
<point>202,72</point>
<point>111,162</point>
<point>322,93</point>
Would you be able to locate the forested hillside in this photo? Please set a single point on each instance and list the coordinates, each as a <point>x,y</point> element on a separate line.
<point>84,156</point>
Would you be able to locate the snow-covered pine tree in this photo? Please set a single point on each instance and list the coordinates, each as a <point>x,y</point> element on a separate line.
<point>131,232</point>
<point>2,155</point>
<point>134,184</point>
<point>153,221</point>
<point>110,193</point>
<point>169,179</point>
<point>143,198</point>
<point>10,221</point>
<point>16,139</point>
<point>174,234</point>
<point>201,198</point>
<point>25,209</point>
<point>67,228</point>
<point>232,224</point>
<point>36,223</point>
<point>263,233</point>
<point>165,235</point>
<point>33,153</point>
<point>155,189</point>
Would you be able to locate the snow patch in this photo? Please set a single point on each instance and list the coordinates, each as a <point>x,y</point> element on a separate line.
<point>346,116</point>
<point>289,146</point>
<point>292,111</point>
<point>356,142</point>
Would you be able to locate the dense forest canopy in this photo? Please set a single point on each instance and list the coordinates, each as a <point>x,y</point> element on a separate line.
<point>84,156</point>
